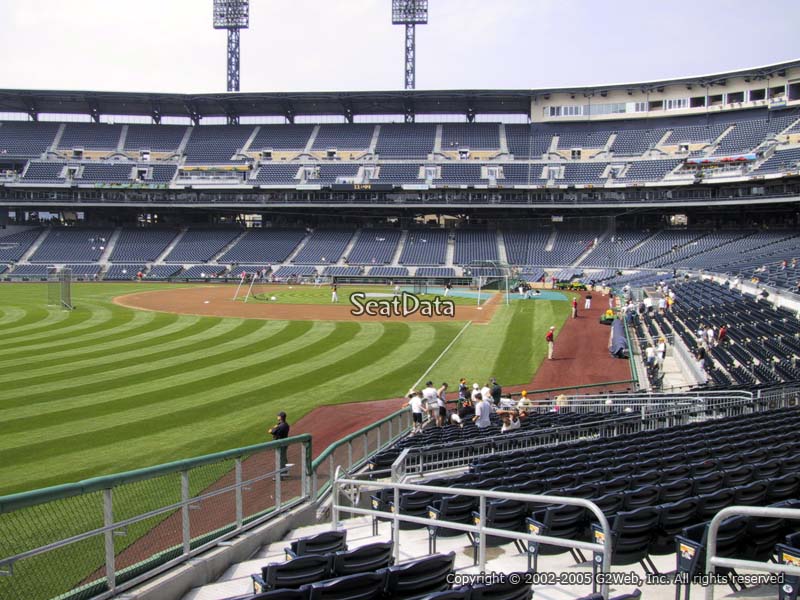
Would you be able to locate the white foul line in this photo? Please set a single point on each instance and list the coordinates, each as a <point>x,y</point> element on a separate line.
<point>438,358</point>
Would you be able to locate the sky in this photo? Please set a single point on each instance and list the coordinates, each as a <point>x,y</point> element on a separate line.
<point>339,45</point>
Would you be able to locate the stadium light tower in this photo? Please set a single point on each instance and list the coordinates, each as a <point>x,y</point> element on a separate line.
<point>410,13</point>
<point>232,15</point>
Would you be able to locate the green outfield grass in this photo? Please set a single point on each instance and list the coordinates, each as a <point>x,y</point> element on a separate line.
<point>105,388</point>
<point>309,294</point>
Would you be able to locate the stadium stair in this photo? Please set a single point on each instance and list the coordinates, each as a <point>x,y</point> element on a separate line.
<point>374,141</point>
<point>399,252</point>
<point>503,139</point>
<point>160,259</point>
<point>502,253</point>
<point>112,242</point>
<point>57,140</point>
<point>122,137</point>
<point>551,241</point>
<point>588,251</point>
<point>290,259</point>
<point>451,250</point>
<point>349,248</point>
<point>222,252</point>
<point>244,149</point>
<point>715,143</point>
<point>184,141</point>
<point>34,247</point>
<point>311,139</point>
<point>437,141</point>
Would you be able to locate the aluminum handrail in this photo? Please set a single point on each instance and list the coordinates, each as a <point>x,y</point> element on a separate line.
<point>713,561</point>
<point>604,549</point>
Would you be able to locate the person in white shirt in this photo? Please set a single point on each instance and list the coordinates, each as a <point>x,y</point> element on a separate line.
<point>476,394</point>
<point>511,421</point>
<point>650,355</point>
<point>418,406</point>
<point>711,337</point>
<point>661,351</point>
<point>431,398</point>
<point>486,392</point>
<point>482,411</point>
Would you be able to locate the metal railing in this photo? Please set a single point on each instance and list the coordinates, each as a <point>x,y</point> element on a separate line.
<point>96,538</point>
<point>352,451</point>
<point>479,528</point>
<point>713,561</point>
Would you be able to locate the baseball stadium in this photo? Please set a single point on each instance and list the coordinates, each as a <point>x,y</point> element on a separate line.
<point>456,344</point>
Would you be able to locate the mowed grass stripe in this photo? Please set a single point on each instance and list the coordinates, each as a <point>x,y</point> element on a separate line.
<point>79,321</point>
<point>116,326</point>
<point>150,378</point>
<point>142,404</point>
<point>167,326</point>
<point>131,379</point>
<point>187,333</point>
<point>33,315</point>
<point>199,410</point>
<point>128,370</point>
<point>11,314</point>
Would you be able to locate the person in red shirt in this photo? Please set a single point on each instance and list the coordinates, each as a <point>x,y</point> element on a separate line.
<point>549,338</point>
<point>574,308</point>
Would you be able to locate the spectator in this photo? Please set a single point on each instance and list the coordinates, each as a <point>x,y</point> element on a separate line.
<point>524,401</point>
<point>280,432</point>
<point>486,392</point>
<point>661,351</point>
<point>650,355</point>
<point>417,405</point>
<point>722,335</point>
<point>431,397</point>
<point>510,420</point>
<point>476,394</point>
<point>463,391</point>
<point>482,411</point>
<point>497,391</point>
<point>441,400</point>
<point>465,412</point>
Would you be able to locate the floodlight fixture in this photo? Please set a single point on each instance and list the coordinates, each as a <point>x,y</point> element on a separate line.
<point>409,12</point>
<point>232,15</point>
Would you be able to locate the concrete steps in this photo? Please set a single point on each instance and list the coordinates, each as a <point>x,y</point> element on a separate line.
<point>112,243</point>
<point>170,247</point>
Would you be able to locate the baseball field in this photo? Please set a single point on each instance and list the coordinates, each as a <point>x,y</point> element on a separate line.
<point>121,383</point>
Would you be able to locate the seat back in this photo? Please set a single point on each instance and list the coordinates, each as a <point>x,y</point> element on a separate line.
<point>369,557</point>
<point>322,543</point>
<point>363,586</point>
<point>502,591</point>
<point>419,577</point>
<point>297,572</point>
<point>282,595</point>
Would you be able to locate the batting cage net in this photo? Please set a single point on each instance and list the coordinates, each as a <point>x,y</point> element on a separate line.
<point>59,287</point>
<point>420,287</point>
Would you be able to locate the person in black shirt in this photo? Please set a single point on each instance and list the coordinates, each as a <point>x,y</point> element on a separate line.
<point>497,392</point>
<point>279,432</point>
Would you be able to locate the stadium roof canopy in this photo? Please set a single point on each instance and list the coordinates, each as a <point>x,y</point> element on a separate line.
<point>348,104</point>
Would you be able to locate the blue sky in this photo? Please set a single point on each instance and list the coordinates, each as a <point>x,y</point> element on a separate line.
<point>307,45</point>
